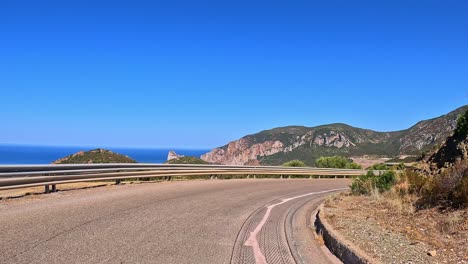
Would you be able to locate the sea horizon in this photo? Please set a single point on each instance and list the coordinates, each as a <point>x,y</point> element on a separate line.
<point>42,154</point>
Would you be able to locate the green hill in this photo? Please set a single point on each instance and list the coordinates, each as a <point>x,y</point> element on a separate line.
<point>94,156</point>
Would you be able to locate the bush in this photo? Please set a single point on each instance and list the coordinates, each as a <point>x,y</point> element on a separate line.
<point>383,166</point>
<point>366,184</point>
<point>294,163</point>
<point>400,166</point>
<point>416,182</point>
<point>450,187</point>
<point>336,162</point>
<point>353,165</point>
<point>460,193</point>
<point>462,125</point>
<point>386,180</point>
<point>363,184</point>
<point>379,166</point>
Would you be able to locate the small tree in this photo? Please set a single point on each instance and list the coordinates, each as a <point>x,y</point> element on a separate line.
<point>336,162</point>
<point>462,125</point>
<point>365,184</point>
<point>294,163</point>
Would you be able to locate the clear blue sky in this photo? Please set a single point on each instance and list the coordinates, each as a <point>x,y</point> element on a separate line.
<point>202,73</point>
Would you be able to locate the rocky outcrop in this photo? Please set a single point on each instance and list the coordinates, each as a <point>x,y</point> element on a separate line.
<point>273,147</point>
<point>241,152</point>
<point>173,155</point>
<point>429,133</point>
<point>244,151</point>
<point>333,139</point>
<point>455,149</point>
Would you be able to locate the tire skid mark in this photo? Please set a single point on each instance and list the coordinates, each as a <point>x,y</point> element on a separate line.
<point>252,239</point>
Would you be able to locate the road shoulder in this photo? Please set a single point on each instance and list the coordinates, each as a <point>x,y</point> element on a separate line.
<point>386,236</point>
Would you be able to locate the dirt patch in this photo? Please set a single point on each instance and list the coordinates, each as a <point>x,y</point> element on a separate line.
<point>16,193</point>
<point>366,162</point>
<point>392,233</point>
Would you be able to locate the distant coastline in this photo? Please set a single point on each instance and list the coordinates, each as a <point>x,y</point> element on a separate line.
<point>30,154</point>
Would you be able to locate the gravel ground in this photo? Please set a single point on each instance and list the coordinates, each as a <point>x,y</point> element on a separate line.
<point>371,227</point>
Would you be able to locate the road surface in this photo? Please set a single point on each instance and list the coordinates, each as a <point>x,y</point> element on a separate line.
<point>217,221</point>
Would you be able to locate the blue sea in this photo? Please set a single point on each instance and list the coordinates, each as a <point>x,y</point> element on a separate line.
<point>22,154</point>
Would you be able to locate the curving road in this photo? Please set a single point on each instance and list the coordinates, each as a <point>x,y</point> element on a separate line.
<point>218,221</point>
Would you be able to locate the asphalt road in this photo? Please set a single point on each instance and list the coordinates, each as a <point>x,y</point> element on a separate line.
<point>173,222</point>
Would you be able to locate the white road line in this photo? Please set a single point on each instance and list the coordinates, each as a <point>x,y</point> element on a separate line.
<point>252,240</point>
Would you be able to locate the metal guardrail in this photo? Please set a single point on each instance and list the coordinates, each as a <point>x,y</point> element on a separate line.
<point>23,176</point>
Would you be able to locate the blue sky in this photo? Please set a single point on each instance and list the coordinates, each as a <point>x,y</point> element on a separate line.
<point>198,74</point>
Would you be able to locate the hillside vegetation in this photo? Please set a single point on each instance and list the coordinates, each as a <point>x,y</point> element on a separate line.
<point>442,181</point>
<point>280,145</point>
<point>427,207</point>
<point>336,162</point>
<point>187,160</point>
<point>95,156</point>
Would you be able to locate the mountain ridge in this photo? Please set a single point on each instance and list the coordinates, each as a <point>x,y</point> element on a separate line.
<point>278,145</point>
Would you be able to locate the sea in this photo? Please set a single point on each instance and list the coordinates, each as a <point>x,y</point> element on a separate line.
<point>24,154</point>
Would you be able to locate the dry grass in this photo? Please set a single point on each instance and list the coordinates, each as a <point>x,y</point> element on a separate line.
<point>445,231</point>
<point>455,221</point>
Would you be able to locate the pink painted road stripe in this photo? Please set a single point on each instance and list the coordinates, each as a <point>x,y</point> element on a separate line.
<point>252,240</point>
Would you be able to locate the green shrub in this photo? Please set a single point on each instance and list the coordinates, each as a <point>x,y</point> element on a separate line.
<point>336,162</point>
<point>379,166</point>
<point>365,184</point>
<point>416,182</point>
<point>400,166</point>
<point>294,163</point>
<point>385,180</point>
<point>383,166</point>
<point>353,165</point>
<point>462,125</point>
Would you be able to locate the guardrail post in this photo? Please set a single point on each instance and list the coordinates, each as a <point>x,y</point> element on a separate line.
<point>118,181</point>
<point>310,177</point>
<point>255,176</point>
<point>248,176</point>
<point>54,188</point>
<point>336,177</point>
<point>289,177</point>
<point>319,176</point>
<point>47,190</point>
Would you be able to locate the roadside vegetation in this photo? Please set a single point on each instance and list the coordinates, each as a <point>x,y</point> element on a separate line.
<point>383,166</point>
<point>336,162</point>
<point>294,163</point>
<point>445,187</point>
<point>427,205</point>
<point>187,160</point>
